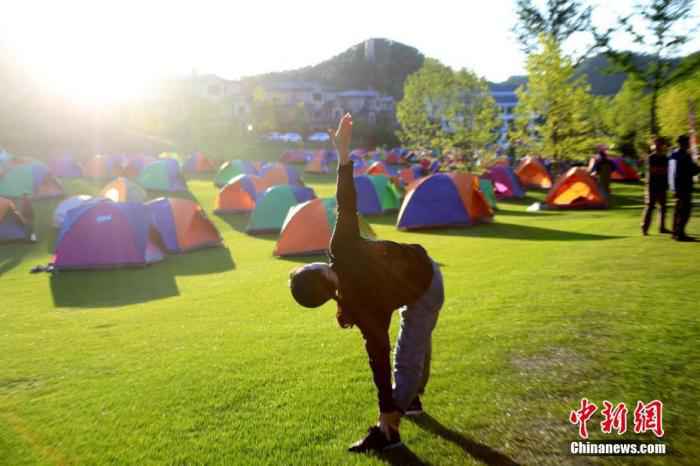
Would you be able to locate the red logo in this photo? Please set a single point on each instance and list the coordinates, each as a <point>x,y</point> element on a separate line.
<point>647,417</point>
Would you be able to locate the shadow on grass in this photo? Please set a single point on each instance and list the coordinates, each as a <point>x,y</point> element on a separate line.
<point>400,456</point>
<point>122,287</point>
<point>205,261</point>
<point>305,259</point>
<point>476,450</point>
<point>517,232</point>
<point>239,222</point>
<point>112,288</point>
<point>11,254</point>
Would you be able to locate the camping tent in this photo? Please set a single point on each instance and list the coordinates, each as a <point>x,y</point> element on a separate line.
<point>183,225</point>
<point>65,167</point>
<point>105,234</point>
<point>444,200</point>
<point>231,169</point>
<point>61,211</point>
<point>123,190</point>
<point>101,167</point>
<point>317,165</point>
<point>296,156</point>
<point>382,168</point>
<point>505,183</point>
<point>135,163</point>
<point>12,227</point>
<point>198,163</point>
<point>358,153</point>
<point>486,187</point>
<point>162,175</point>
<point>410,174</point>
<point>532,174</point>
<point>271,207</point>
<point>280,174</point>
<point>393,157</point>
<point>308,227</point>
<point>624,171</point>
<point>576,189</point>
<point>31,178</point>
<point>376,195</point>
<point>239,195</point>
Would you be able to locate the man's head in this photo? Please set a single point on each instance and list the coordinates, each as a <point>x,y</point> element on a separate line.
<point>684,142</point>
<point>602,150</point>
<point>660,145</point>
<point>313,284</point>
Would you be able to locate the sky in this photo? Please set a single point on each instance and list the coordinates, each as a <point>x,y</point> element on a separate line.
<point>111,50</point>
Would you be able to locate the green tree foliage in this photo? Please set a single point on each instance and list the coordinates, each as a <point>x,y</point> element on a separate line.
<point>446,109</point>
<point>665,29</point>
<point>555,112</point>
<point>627,118</point>
<point>676,102</point>
<point>559,19</point>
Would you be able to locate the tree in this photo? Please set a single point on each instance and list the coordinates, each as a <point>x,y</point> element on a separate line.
<point>627,118</point>
<point>553,115</point>
<point>675,104</point>
<point>559,20</point>
<point>446,109</point>
<point>664,30</point>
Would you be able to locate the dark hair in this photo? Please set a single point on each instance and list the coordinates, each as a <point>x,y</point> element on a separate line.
<point>311,288</point>
<point>683,140</point>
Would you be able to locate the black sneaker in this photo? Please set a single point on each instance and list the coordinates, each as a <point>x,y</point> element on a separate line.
<point>415,408</point>
<point>375,440</point>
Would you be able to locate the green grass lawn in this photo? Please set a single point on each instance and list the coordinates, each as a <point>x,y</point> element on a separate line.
<point>205,359</point>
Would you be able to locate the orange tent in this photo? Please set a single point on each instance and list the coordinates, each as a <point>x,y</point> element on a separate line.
<point>576,189</point>
<point>124,190</point>
<point>183,225</point>
<point>198,163</point>
<point>308,227</point>
<point>317,165</point>
<point>239,194</point>
<point>532,174</point>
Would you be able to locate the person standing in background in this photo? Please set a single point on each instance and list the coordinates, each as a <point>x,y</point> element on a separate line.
<point>681,170</point>
<point>603,168</point>
<point>656,186</point>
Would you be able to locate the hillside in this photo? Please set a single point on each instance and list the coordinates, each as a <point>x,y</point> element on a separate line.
<point>384,65</point>
<point>379,64</point>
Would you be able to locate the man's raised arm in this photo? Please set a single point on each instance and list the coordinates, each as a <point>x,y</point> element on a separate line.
<point>346,197</point>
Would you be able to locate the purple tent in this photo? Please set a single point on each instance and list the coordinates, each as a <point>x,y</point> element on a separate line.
<point>105,234</point>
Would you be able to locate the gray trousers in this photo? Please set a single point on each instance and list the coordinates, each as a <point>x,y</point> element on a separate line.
<point>414,343</point>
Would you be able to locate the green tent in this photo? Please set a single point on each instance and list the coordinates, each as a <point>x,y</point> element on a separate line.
<point>162,175</point>
<point>271,207</point>
<point>231,169</point>
<point>31,178</point>
<point>389,195</point>
<point>486,187</point>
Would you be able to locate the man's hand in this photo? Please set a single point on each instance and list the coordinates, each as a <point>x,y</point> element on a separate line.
<point>389,421</point>
<point>341,138</point>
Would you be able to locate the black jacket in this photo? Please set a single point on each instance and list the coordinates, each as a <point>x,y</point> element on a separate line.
<point>375,278</point>
<point>682,169</point>
<point>657,172</point>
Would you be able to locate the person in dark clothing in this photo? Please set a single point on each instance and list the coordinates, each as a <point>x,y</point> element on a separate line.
<point>369,280</point>
<point>603,168</point>
<point>657,186</point>
<point>27,212</point>
<point>681,170</point>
